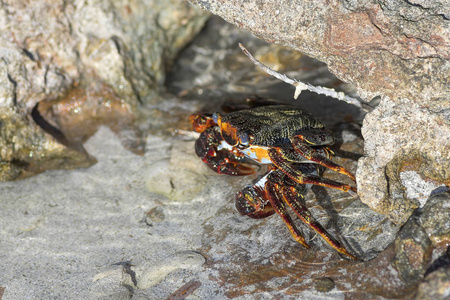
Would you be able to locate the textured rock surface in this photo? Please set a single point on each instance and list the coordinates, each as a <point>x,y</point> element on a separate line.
<point>406,138</point>
<point>84,58</point>
<point>413,251</point>
<point>424,235</point>
<point>435,286</point>
<point>394,49</point>
<point>435,219</point>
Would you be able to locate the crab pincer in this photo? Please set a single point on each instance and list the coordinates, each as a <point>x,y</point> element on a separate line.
<point>209,148</point>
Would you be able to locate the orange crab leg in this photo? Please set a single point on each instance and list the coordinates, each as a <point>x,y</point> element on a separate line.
<point>280,160</point>
<point>280,209</point>
<point>299,143</point>
<point>305,215</point>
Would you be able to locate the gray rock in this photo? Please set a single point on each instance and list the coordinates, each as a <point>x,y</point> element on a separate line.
<point>368,233</point>
<point>413,251</point>
<point>425,231</point>
<point>373,44</point>
<point>435,218</point>
<point>401,138</point>
<point>93,59</point>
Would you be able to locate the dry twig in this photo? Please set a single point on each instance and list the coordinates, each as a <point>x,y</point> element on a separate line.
<point>300,86</point>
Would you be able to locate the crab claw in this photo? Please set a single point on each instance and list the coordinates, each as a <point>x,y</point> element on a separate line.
<point>221,161</point>
<point>251,202</point>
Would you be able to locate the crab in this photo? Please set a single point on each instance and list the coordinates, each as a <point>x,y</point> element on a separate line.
<point>291,142</point>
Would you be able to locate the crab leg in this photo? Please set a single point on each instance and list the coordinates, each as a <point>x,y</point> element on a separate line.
<point>281,161</point>
<point>299,143</point>
<point>280,209</point>
<point>291,197</point>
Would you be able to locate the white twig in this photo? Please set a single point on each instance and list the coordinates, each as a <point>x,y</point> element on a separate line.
<point>300,86</point>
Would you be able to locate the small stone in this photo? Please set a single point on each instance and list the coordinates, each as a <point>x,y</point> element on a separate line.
<point>324,285</point>
<point>151,275</point>
<point>156,214</point>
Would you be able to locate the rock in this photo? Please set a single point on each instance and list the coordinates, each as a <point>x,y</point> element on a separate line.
<point>435,286</point>
<point>74,58</point>
<point>400,138</point>
<point>372,44</point>
<point>442,261</point>
<point>397,50</point>
<point>435,219</point>
<point>27,150</point>
<point>367,232</point>
<point>413,251</point>
<point>178,178</point>
<point>150,275</point>
<point>324,285</point>
<point>425,231</point>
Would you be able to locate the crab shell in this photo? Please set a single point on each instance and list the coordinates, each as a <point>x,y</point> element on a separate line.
<point>257,130</point>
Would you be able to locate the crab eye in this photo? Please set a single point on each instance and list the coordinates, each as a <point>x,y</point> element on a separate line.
<point>244,139</point>
<point>215,117</point>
